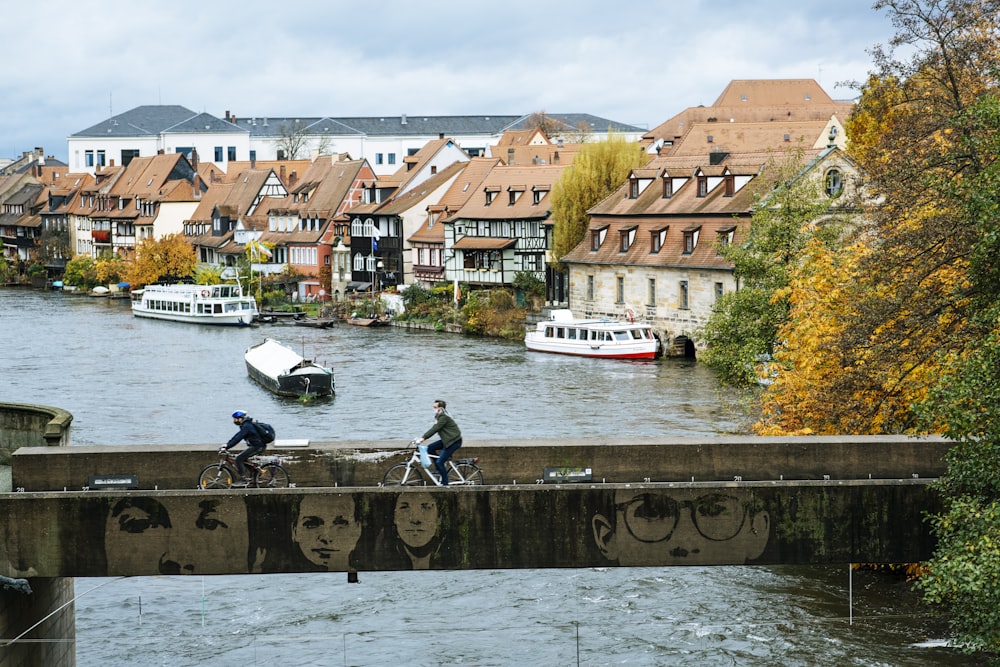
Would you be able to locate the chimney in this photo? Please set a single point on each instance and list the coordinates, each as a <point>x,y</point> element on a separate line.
<point>194,159</point>
<point>227,116</point>
<point>196,186</point>
<point>440,135</point>
<point>291,179</point>
<point>402,119</point>
<point>281,173</point>
<point>253,161</point>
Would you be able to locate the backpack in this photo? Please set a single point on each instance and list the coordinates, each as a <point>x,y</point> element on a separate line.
<point>265,430</point>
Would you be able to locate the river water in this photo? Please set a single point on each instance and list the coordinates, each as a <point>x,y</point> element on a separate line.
<point>130,380</point>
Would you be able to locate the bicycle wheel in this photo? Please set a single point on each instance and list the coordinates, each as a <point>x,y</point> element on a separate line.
<point>402,475</point>
<point>272,476</point>
<point>469,472</point>
<point>216,476</point>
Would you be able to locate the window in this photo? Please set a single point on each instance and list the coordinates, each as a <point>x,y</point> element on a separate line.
<point>725,237</point>
<point>392,158</point>
<point>620,289</point>
<point>691,239</point>
<point>683,301</point>
<point>88,158</point>
<point>489,197</point>
<point>378,158</point>
<point>668,187</point>
<point>651,299</point>
<point>702,185</point>
<point>633,188</point>
<point>718,291</point>
<point>627,237</point>
<point>253,156</point>
<point>833,183</point>
<point>597,238</point>
<point>231,153</point>
<point>100,159</point>
<point>730,184</point>
<point>218,153</point>
<point>657,238</point>
<point>590,288</point>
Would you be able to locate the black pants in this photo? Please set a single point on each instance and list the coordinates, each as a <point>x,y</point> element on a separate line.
<point>244,455</point>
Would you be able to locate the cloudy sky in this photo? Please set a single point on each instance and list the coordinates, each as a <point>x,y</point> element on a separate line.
<point>70,64</point>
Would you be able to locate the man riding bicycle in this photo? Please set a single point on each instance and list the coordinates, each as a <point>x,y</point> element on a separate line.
<point>449,442</point>
<point>255,444</point>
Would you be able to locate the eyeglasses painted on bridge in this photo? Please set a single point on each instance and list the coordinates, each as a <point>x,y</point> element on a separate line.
<point>653,517</point>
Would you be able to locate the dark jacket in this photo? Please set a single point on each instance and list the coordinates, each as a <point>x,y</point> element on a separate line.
<point>249,433</point>
<point>445,427</point>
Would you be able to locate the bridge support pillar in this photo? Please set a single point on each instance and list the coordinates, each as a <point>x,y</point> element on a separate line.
<point>53,642</point>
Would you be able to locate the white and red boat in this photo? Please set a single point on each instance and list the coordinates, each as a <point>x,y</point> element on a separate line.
<point>602,338</point>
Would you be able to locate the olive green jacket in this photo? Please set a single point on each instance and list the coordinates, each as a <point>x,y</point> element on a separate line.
<point>445,427</point>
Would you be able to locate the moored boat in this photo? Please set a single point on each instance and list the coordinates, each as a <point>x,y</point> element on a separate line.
<point>601,338</point>
<point>222,304</point>
<point>283,371</point>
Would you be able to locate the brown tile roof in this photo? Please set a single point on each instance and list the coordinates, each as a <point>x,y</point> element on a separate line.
<point>767,100</point>
<point>505,178</point>
<point>703,138</point>
<point>417,195</point>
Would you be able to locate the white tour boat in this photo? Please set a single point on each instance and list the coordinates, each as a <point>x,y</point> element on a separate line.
<point>603,338</point>
<point>201,304</point>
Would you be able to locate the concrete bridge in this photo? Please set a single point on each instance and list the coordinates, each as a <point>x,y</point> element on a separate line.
<point>689,501</point>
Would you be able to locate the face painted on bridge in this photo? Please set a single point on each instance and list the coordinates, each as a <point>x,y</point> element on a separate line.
<point>327,531</point>
<point>178,535</point>
<point>416,518</point>
<point>681,527</point>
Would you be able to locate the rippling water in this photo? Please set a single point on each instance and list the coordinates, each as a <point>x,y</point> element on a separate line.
<point>130,380</point>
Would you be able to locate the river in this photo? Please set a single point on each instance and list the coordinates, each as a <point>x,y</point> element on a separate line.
<point>129,381</point>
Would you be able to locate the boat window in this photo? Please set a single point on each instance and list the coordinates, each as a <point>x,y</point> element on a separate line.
<point>622,335</point>
<point>571,334</point>
<point>548,332</point>
<point>637,333</point>
<point>560,333</point>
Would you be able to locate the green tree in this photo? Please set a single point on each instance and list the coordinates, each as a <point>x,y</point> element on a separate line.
<point>81,271</point>
<point>599,169</point>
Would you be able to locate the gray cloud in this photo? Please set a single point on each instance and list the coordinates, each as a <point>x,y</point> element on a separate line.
<point>638,62</point>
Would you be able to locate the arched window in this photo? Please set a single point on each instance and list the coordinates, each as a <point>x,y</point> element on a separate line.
<point>833,183</point>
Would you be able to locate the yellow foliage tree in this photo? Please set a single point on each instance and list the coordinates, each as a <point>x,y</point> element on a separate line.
<point>168,258</point>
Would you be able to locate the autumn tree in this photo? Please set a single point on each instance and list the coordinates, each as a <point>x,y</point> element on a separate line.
<point>742,330</point>
<point>81,271</point>
<point>599,169</point>
<point>170,257</point>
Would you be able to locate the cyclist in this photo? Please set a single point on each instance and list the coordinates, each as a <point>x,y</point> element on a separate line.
<point>449,438</point>
<point>255,444</point>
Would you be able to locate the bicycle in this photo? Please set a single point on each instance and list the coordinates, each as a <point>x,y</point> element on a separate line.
<point>264,471</point>
<point>463,472</point>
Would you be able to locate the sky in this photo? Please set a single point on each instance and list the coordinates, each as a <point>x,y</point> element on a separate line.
<point>71,64</point>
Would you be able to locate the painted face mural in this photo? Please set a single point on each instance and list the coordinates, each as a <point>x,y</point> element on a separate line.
<point>326,530</point>
<point>681,527</point>
<point>181,535</point>
<point>416,518</point>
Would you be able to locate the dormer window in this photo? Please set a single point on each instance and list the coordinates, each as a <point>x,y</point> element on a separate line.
<point>657,238</point>
<point>491,193</point>
<point>597,238</point>
<point>702,185</point>
<point>691,235</point>
<point>514,193</point>
<point>538,194</point>
<point>725,237</point>
<point>627,238</point>
<point>833,183</point>
<point>633,188</point>
<point>668,187</point>
<point>730,184</point>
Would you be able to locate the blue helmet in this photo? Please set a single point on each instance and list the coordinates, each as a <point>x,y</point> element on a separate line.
<point>239,414</point>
